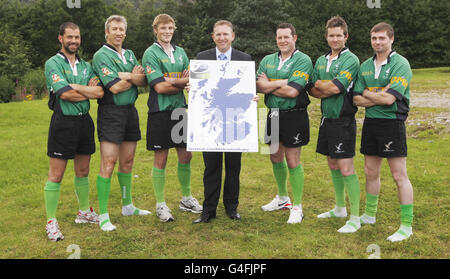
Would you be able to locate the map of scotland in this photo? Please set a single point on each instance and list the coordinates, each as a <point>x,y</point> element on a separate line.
<point>221,114</point>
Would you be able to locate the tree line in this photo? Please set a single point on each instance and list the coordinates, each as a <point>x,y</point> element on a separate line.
<point>28,36</point>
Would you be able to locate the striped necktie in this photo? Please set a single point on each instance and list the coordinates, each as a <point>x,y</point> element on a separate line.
<point>222,56</point>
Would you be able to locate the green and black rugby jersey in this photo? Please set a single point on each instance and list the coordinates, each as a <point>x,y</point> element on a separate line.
<point>58,75</point>
<point>157,65</point>
<point>342,71</point>
<point>395,71</point>
<point>296,69</point>
<point>107,63</point>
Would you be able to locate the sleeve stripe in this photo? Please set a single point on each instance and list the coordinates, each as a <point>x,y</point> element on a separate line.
<point>297,86</point>
<point>396,94</point>
<point>64,89</point>
<point>112,82</point>
<point>339,85</point>
<point>156,81</point>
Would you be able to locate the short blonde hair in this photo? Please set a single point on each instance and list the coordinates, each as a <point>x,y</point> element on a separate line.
<point>162,19</point>
<point>223,22</point>
<point>118,18</point>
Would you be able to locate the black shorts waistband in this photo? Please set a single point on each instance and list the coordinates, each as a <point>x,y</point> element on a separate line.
<point>340,119</point>
<point>117,106</point>
<point>288,110</point>
<point>74,117</point>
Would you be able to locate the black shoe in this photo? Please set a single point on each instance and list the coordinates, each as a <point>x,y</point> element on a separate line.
<point>234,215</point>
<point>204,218</point>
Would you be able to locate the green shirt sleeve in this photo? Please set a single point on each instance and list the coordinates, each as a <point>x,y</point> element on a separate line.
<point>347,73</point>
<point>106,70</point>
<point>55,78</point>
<point>300,73</point>
<point>360,84</point>
<point>153,68</point>
<point>261,68</point>
<point>399,80</point>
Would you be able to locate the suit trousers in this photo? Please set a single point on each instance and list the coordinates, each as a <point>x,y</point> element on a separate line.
<point>212,180</point>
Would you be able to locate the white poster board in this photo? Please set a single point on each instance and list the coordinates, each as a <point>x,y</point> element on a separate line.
<point>221,114</point>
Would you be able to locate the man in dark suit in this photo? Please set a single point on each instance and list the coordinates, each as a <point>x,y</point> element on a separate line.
<point>223,36</point>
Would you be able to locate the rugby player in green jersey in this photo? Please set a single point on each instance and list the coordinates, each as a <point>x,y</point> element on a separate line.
<point>383,89</point>
<point>166,68</point>
<point>71,82</point>
<point>118,120</point>
<point>282,77</point>
<point>332,81</point>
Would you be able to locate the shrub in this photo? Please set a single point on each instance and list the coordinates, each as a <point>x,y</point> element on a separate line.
<point>6,89</point>
<point>34,80</point>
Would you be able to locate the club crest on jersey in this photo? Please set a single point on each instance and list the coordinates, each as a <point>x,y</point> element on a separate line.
<point>106,72</point>
<point>149,70</point>
<point>56,78</point>
<point>386,74</point>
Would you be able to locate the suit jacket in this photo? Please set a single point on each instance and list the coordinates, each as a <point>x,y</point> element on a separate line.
<point>236,55</point>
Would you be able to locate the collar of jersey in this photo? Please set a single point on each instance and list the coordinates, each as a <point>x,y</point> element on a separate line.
<point>112,48</point>
<point>344,50</point>
<point>295,51</point>
<point>62,55</point>
<point>160,46</point>
<point>388,59</point>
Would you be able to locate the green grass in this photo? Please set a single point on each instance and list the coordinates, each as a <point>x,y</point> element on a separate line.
<point>258,235</point>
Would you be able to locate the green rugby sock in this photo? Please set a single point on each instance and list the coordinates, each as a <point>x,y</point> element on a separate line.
<point>184,177</point>
<point>280,172</point>
<point>159,179</point>
<point>339,187</point>
<point>125,187</point>
<point>371,204</point>
<point>353,190</point>
<point>103,188</point>
<point>296,177</point>
<point>406,214</point>
<point>82,192</point>
<point>51,196</point>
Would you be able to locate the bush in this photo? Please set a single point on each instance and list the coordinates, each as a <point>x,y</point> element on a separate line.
<point>34,80</point>
<point>6,89</point>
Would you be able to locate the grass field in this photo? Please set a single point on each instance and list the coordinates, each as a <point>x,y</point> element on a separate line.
<point>259,235</point>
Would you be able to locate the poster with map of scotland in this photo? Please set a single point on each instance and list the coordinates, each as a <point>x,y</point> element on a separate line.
<point>221,115</point>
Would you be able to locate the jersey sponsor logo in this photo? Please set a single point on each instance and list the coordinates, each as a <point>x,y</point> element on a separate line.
<point>287,66</point>
<point>118,61</point>
<point>347,75</point>
<point>173,75</point>
<point>56,78</point>
<point>386,73</point>
<point>164,60</point>
<point>375,89</point>
<point>369,73</point>
<point>301,74</point>
<point>106,72</point>
<point>402,80</point>
<point>269,66</point>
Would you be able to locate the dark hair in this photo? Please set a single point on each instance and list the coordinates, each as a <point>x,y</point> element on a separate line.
<point>336,21</point>
<point>287,26</point>
<point>383,26</point>
<point>65,25</point>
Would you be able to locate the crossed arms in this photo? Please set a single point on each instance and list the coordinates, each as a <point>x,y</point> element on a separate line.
<point>369,98</point>
<point>278,88</point>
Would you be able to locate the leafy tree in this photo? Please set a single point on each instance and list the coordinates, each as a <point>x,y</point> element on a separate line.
<point>14,62</point>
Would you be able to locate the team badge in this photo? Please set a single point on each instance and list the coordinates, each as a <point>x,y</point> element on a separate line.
<point>56,78</point>
<point>106,72</point>
<point>149,70</point>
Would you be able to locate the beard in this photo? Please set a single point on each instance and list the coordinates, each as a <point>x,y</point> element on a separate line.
<point>69,50</point>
